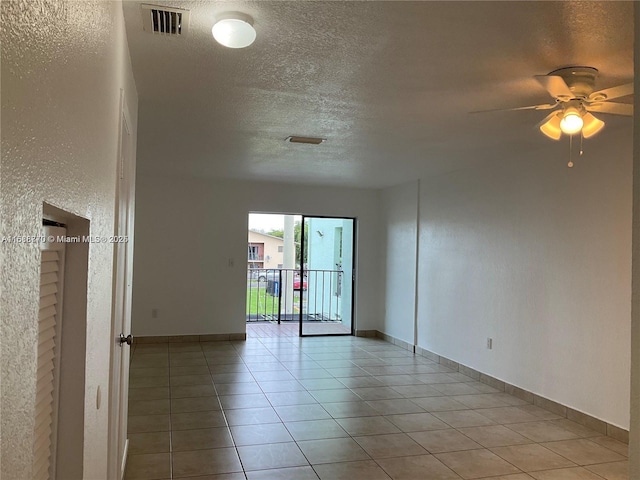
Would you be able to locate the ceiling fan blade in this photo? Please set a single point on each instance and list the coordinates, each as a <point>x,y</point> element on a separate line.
<point>546,106</point>
<point>612,108</point>
<point>592,125</point>
<point>555,85</point>
<point>550,126</point>
<point>611,93</point>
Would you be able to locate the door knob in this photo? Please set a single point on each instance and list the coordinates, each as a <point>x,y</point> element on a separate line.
<point>128,339</point>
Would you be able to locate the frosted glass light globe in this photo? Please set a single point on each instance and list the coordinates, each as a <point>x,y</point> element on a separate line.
<point>234,33</point>
<point>571,123</point>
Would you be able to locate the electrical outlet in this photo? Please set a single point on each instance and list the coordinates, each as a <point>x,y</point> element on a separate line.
<point>154,313</point>
<point>490,343</point>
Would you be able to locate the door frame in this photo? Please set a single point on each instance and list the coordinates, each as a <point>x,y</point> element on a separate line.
<point>353,276</point>
<point>121,285</point>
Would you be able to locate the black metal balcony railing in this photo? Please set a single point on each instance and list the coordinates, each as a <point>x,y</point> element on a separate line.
<point>279,294</point>
<point>253,257</point>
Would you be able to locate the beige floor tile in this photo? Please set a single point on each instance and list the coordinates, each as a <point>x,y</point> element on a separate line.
<point>439,404</point>
<point>543,431</point>
<point>205,462</point>
<point>193,370</point>
<point>488,400</point>
<point>201,438</point>
<point>504,415</point>
<point>193,420</point>
<point>251,416</point>
<point>455,388</point>
<point>315,429</point>
<point>389,445</point>
<point>575,473</point>
<point>532,457</point>
<point>152,442</point>
<point>417,422</point>
<point>360,382</point>
<point>194,404</point>
<point>249,400</point>
<point>148,423</point>
<point>362,470</point>
<point>180,380</point>
<point>464,418</point>
<point>185,391</point>
<point>291,473</point>
<point>233,377</point>
<point>436,378</point>
<point>149,407</point>
<point>260,434</point>
<point>394,406</point>
<point>476,464</point>
<point>281,386</point>
<point>439,441</point>
<point>335,395</point>
<point>514,476</point>
<point>238,388</point>
<point>416,391</point>
<point>539,413</point>
<point>367,425</point>
<point>148,372</point>
<point>576,428</point>
<point>349,409</point>
<point>227,368</point>
<point>376,393</point>
<point>417,467</point>
<point>611,471</point>
<point>494,436</point>
<point>154,360</point>
<point>149,381</point>
<point>148,393</point>
<point>298,413</point>
<point>332,450</point>
<point>612,444</point>
<point>279,399</point>
<point>399,380</point>
<point>321,383</point>
<point>187,362</point>
<point>584,452</point>
<point>195,353</point>
<point>151,466</point>
<point>275,455</point>
<point>222,476</point>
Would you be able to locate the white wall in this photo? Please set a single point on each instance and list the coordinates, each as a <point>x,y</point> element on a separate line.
<point>63,65</point>
<point>187,231</point>
<point>399,233</point>
<point>538,257</point>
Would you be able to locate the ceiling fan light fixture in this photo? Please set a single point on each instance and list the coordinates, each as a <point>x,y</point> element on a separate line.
<point>592,125</point>
<point>571,122</point>
<point>234,30</point>
<point>551,128</point>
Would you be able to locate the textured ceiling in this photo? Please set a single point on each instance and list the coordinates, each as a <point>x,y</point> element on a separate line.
<point>389,84</point>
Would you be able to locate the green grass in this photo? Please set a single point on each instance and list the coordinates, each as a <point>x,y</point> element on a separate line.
<point>259,302</point>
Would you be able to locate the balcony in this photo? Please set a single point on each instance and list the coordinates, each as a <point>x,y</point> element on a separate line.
<point>281,295</point>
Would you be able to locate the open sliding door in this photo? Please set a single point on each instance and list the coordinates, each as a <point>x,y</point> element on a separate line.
<point>326,277</point>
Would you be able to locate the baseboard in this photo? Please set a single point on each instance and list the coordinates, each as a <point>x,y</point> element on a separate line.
<point>213,337</point>
<point>581,418</point>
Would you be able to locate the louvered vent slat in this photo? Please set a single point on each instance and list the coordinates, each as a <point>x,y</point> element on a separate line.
<point>50,276</point>
<point>168,21</point>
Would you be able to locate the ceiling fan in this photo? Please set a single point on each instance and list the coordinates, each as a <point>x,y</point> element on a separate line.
<point>575,99</point>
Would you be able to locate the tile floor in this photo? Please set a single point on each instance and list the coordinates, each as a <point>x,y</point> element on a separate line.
<point>335,408</point>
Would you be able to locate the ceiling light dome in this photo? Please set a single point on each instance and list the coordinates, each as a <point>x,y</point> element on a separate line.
<point>234,30</point>
<point>571,122</point>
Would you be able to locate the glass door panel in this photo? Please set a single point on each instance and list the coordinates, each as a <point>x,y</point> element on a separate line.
<point>325,280</point>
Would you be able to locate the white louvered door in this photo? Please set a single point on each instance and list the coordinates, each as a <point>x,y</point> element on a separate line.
<point>51,281</point>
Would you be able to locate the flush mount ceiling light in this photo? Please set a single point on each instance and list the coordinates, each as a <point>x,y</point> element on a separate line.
<point>234,30</point>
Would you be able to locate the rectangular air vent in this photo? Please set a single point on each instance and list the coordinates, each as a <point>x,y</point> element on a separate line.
<point>165,20</point>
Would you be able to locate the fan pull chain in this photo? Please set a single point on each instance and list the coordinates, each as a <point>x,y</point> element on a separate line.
<point>570,164</point>
<point>581,142</point>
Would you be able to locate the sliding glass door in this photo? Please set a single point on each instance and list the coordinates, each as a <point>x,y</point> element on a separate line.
<point>326,277</point>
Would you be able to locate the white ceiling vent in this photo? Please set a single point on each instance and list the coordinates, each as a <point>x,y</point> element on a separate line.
<point>165,20</point>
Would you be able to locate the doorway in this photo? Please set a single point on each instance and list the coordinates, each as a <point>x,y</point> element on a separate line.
<point>300,274</point>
